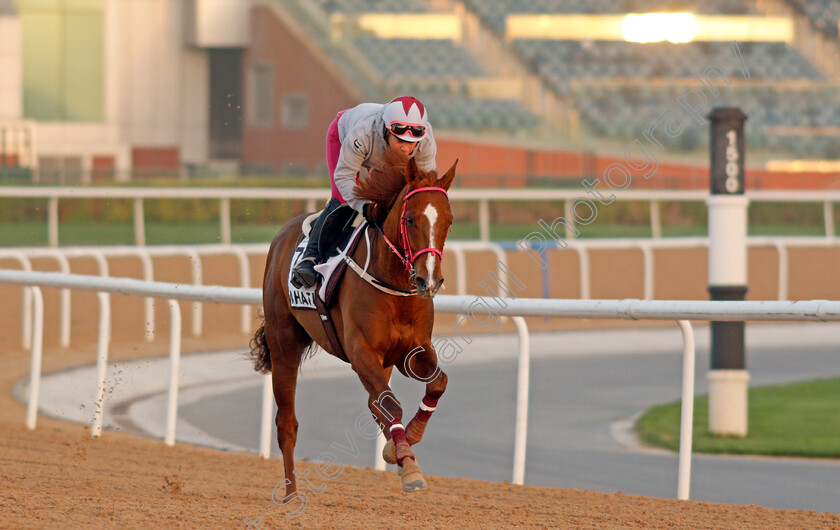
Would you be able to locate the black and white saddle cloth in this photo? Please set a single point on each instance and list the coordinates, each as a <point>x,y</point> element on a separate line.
<point>331,270</point>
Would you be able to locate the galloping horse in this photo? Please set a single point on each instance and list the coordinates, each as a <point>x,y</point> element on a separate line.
<point>377,329</point>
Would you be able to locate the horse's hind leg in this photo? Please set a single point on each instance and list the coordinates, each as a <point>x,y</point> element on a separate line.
<point>420,364</point>
<point>287,342</point>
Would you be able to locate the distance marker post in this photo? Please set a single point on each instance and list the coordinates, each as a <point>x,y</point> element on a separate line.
<point>727,206</point>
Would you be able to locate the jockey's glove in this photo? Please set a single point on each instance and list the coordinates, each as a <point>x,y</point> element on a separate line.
<point>369,210</point>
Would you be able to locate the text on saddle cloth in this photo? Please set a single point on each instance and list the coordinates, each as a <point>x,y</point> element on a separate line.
<point>331,271</point>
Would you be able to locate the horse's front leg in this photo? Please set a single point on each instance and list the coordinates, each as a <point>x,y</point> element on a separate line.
<point>420,364</point>
<point>388,412</point>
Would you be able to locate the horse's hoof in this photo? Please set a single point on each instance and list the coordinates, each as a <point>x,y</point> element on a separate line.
<point>419,484</point>
<point>389,453</point>
<point>412,476</point>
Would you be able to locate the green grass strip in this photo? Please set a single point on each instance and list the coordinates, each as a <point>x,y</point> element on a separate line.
<point>157,233</point>
<point>104,232</point>
<point>800,419</point>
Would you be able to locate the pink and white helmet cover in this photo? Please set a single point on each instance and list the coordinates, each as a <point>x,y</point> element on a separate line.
<point>406,110</point>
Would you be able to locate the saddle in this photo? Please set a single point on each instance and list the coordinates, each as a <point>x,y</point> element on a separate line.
<point>343,239</point>
<point>346,231</point>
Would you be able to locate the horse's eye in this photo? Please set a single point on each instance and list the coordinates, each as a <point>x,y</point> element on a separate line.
<point>409,221</point>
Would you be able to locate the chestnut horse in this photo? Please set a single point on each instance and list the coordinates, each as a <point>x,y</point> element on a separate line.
<point>376,328</point>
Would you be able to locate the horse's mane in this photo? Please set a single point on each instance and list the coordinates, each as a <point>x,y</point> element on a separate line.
<point>387,180</point>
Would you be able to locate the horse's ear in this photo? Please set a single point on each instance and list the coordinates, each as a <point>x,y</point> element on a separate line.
<point>446,180</point>
<point>411,173</point>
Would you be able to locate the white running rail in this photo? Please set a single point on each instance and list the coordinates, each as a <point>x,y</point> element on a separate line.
<point>459,249</point>
<point>313,196</point>
<point>145,254</point>
<point>681,311</point>
<point>24,256</point>
<point>583,247</point>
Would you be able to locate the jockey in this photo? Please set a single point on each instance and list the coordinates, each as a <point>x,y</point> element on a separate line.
<point>357,138</point>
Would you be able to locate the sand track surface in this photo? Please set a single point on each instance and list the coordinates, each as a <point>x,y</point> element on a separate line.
<point>59,476</point>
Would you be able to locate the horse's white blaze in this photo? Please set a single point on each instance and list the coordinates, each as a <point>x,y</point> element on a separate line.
<point>432,214</point>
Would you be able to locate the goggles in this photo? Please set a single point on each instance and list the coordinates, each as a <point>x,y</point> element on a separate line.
<point>417,131</point>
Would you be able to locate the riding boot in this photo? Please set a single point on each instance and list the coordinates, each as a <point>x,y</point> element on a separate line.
<point>303,274</point>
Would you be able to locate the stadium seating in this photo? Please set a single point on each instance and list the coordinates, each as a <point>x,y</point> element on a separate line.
<point>824,14</point>
<point>370,6</point>
<point>478,115</point>
<point>418,57</point>
<point>434,71</point>
<point>618,88</point>
<point>561,61</point>
<point>627,111</point>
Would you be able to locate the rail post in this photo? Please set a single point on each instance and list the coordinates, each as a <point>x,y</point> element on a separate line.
<point>101,361</point>
<point>265,422</point>
<point>139,223</point>
<point>224,220</point>
<point>828,214</point>
<point>484,220</point>
<point>174,370</point>
<point>523,378</point>
<point>686,411</point>
<point>52,221</point>
<point>37,356</point>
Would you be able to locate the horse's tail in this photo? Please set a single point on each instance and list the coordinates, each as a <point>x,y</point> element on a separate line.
<point>259,352</point>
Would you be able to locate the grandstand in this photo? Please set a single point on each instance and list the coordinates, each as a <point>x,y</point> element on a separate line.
<point>607,87</point>
<point>562,62</point>
<point>418,58</point>
<point>547,73</point>
<point>432,63</point>
<point>370,6</point>
<point>778,116</point>
<point>824,14</point>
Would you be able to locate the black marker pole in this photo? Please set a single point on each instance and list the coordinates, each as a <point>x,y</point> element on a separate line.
<point>727,206</point>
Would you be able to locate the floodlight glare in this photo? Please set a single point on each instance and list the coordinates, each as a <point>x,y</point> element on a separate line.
<point>657,27</point>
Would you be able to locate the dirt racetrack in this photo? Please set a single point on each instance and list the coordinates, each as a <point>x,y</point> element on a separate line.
<point>57,476</point>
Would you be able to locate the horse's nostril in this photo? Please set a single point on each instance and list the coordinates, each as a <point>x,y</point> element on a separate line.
<point>421,284</point>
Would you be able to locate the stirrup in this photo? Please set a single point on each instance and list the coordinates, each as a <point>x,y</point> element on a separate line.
<point>303,274</point>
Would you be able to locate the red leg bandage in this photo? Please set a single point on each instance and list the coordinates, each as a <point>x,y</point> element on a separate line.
<point>401,445</point>
<point>417,425</point>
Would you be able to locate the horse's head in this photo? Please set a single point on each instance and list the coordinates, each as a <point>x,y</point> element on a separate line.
<point>424,221</point>
<point>412,208</point>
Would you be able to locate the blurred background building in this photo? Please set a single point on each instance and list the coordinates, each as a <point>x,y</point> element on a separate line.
<point>522,91</point>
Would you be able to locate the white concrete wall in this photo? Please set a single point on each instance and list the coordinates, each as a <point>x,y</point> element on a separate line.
<point>77,139</point>
<point>108,138</point>
<point>221,23</point>
<point>153,60</point>
<point>195,107</point>
<point>11,68</point>
<point>156,88</point>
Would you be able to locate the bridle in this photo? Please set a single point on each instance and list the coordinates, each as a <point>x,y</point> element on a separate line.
<point>405,253</point>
